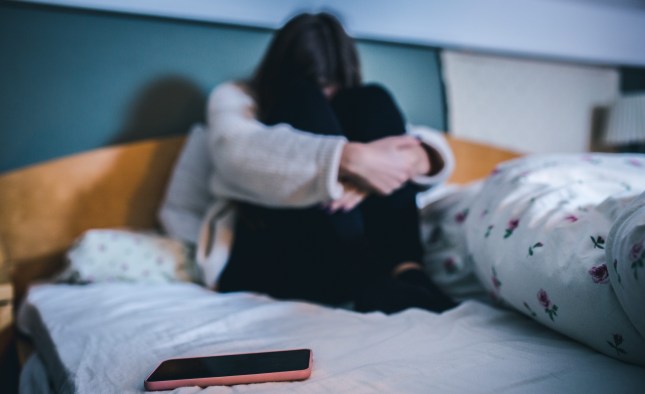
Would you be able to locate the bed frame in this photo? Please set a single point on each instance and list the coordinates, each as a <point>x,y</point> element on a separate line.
<point>45,207</point>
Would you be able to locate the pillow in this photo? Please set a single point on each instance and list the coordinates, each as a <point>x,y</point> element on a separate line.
<point>446,258</point>
<point>626,256</point>
<point>123,255</point>
<point>538,232</point>
<point>188,196</point>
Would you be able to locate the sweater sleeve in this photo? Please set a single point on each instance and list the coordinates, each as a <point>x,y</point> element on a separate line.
<point>276,165</point>
<point>436,141</point>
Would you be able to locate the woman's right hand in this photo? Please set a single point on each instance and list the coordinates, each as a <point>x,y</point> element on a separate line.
<point>381,166</point>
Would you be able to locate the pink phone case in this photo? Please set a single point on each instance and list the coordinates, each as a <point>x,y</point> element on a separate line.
<point>230,380</point>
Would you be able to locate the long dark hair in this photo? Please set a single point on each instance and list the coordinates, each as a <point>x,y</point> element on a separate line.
<point>310,46</point>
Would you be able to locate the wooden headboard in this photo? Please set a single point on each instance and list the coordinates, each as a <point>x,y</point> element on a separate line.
<point>44,208</point>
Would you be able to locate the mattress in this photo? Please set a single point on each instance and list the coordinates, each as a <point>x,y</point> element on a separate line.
<point>107,337</point>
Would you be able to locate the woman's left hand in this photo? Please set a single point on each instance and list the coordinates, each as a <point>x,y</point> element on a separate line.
<point>352,196</point>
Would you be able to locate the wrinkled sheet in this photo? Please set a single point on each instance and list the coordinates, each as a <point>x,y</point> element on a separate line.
<point>106,338</point>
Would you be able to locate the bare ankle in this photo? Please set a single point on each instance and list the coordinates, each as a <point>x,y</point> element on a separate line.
<point>405,266</point>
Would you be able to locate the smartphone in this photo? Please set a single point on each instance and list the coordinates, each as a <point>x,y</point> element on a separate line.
<point>230,369</point>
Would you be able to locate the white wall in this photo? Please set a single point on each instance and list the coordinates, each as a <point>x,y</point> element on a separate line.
<point>525,105</point>
<point>608,32</point>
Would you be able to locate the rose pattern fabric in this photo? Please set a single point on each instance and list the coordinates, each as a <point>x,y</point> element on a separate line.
<point>638,257</point>
<point>534,247</point>
<point>616,342</point>
<point>541,245</point>
<point>512,225</point>
<point>571,218</point>
<point>461,216</point>
<point>529,309</point>
<point>598,242</point>
<point>488,230</point>
<point>446,258</point>
<point>549,308</point>
<point>625,250</point>
<point>599,274</point>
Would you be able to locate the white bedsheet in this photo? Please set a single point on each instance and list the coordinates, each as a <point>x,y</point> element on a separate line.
<point>106,338</point>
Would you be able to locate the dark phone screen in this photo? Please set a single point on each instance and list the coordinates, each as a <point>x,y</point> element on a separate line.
<point>237,364</point>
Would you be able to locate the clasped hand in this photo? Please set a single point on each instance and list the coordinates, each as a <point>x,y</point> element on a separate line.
<point>380,167</point>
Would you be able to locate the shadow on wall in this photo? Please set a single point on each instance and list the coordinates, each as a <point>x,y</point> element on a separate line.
<point>169,105</point>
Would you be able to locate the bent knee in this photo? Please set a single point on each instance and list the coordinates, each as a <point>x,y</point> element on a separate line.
<point>371,93</point>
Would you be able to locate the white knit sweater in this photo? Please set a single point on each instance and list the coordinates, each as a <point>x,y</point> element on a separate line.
<point>268,165</point>
<point>272,166</point>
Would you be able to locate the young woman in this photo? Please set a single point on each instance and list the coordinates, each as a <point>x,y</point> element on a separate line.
<point>321,167</point>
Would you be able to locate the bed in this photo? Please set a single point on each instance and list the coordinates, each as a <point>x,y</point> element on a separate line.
<point>106,337</point>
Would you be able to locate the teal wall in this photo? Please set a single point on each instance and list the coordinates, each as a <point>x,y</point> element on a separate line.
<point>73,80</point>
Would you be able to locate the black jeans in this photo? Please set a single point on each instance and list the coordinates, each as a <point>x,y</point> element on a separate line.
<point>309,253</point>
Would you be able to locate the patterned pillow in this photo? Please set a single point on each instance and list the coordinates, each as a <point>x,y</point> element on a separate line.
<point>123,255</point>
<point>537,233</point>
<point>626,254</point>
<point>446,258</point>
